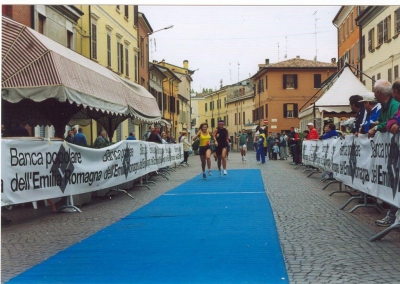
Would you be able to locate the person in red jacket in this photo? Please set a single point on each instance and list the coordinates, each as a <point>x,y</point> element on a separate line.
<point>313,132</point>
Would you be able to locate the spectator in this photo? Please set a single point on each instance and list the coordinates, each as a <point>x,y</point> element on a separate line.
<point>373,109</point>
<point>146,136</point>
<point>313,135</point>
<point>80,138</point>
<point>186,146</point>
<point>331,132</point>
<point>74,131</point>
<point>294,146</point>
<point>70,137</point>
<point>101,140</point>
<point>383,94</point>
<point>282,147</point>
<point>357,107</point>
<point>392,126</point>
<point>131,136</point>
<point>155,135</point>
<point>270,144</point>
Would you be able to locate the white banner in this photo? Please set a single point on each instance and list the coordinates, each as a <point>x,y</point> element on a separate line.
<point>369,165</point>
<point>35,170</point>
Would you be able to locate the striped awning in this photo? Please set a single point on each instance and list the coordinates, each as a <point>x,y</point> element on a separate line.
<point>37,68</point>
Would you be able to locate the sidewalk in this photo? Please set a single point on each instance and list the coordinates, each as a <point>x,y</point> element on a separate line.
<point>320,243</point>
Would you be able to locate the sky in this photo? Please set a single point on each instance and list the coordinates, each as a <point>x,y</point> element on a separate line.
<point>228,42</point>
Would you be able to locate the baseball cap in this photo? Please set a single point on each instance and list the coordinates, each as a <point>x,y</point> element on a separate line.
<point>369,97</point>
<point>312,124</point>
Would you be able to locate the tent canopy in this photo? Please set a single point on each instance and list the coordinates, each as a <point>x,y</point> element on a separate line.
<point>336,96</point>
<point>37,68</point>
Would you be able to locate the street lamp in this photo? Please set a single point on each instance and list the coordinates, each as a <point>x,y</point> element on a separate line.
<point>166,28</point>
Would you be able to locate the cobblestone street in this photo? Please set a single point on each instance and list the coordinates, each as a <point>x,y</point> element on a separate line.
<point>320,243</point>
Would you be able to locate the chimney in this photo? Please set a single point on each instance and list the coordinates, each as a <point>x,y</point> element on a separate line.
<point>266,61</point>
<point>185,64</point>
<point>333,60</point>
<point>298,56</point>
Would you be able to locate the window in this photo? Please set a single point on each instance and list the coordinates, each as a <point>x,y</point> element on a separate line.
<point>70,37</point>
<point>290,81</point>
<point>205,105</point>
<point>118,7</point>
<point>362,51</point>
<point>244,118</point>
<point>119,132</point>
<point>317,81</point>
<point>266,110</point>
<point>239,118</point>
<point>380,33</point>
<point>371,43</point>
<point>109,50</point>
<point>136,69</point>
<point>213,122</point>
<point>373,80</point>
<point>94,41</point>
<point>126,8</point>
<point>120,57</point>
<point>352,21</point>
<point>397,21</point>
<point>378,77</point>
<point>126,62</point>
<point>396,72</point>
<point>42,21</point>
<point>358,51</point>
<point>177,107</point>
<point>390,75</point>
<point>266,82</point>
<point>236,118</point>
<point>142,51</point>
<point>290,110</point>
<point>386,28</point>
<point>347,26</point>
<point>352,54</point>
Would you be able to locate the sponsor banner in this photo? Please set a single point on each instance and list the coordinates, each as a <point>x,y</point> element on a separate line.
<point>35,170</point>
<point>369,165</point>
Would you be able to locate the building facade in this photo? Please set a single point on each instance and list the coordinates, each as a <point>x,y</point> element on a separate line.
<point>108,35</point>
<point>283,88</point>
<point>380,29</point>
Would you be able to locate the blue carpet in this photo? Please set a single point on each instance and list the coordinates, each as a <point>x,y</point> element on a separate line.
<point>219,230</point>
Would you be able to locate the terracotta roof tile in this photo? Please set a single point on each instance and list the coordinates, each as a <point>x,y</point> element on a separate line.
<point>300,63</point>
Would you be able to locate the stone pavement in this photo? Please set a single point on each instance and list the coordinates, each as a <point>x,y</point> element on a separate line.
<point>320,243</point>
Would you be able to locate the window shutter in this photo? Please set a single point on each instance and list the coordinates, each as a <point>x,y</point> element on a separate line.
<point>296,110</point>
<point>285,110</point>
<point>295,81</point>
<point>266,110</point>
<point>212,122</point>
<point>177,107</point>
<point>284,81</point>
<point>317,81</point>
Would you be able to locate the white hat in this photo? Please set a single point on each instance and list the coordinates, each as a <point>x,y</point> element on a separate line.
<point>312,124</point>
<point>369,97</point>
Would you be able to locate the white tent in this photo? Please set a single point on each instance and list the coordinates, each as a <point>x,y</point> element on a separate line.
<point>335,98</point>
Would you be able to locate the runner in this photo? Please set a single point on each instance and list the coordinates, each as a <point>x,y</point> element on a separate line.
<point>243,138</point>
<point>204,148</point>
<point>221,135</point>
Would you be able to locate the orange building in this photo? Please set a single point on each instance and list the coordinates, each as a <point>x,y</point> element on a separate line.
<point>349,39</point>
<point>281,89</point>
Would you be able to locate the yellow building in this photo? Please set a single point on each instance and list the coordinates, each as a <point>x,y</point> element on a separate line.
<point>215,108</point>
<point>108,35</point>
<point>176,87</point>
<point>198,112</point>
<point>240,107</point>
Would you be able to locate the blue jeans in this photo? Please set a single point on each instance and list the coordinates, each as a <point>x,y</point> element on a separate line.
<point>260,153</point>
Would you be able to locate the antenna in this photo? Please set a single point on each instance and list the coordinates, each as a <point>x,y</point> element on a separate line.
<point>230,72</point>
<point>238,70</point>
<point>278,51</point>
<point>316,48</point>
<point>286,47</point>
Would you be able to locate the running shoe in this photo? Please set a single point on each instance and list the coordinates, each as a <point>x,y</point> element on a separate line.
<point>225,173</point>
<point>204,176</point>
<point>209,173</point>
